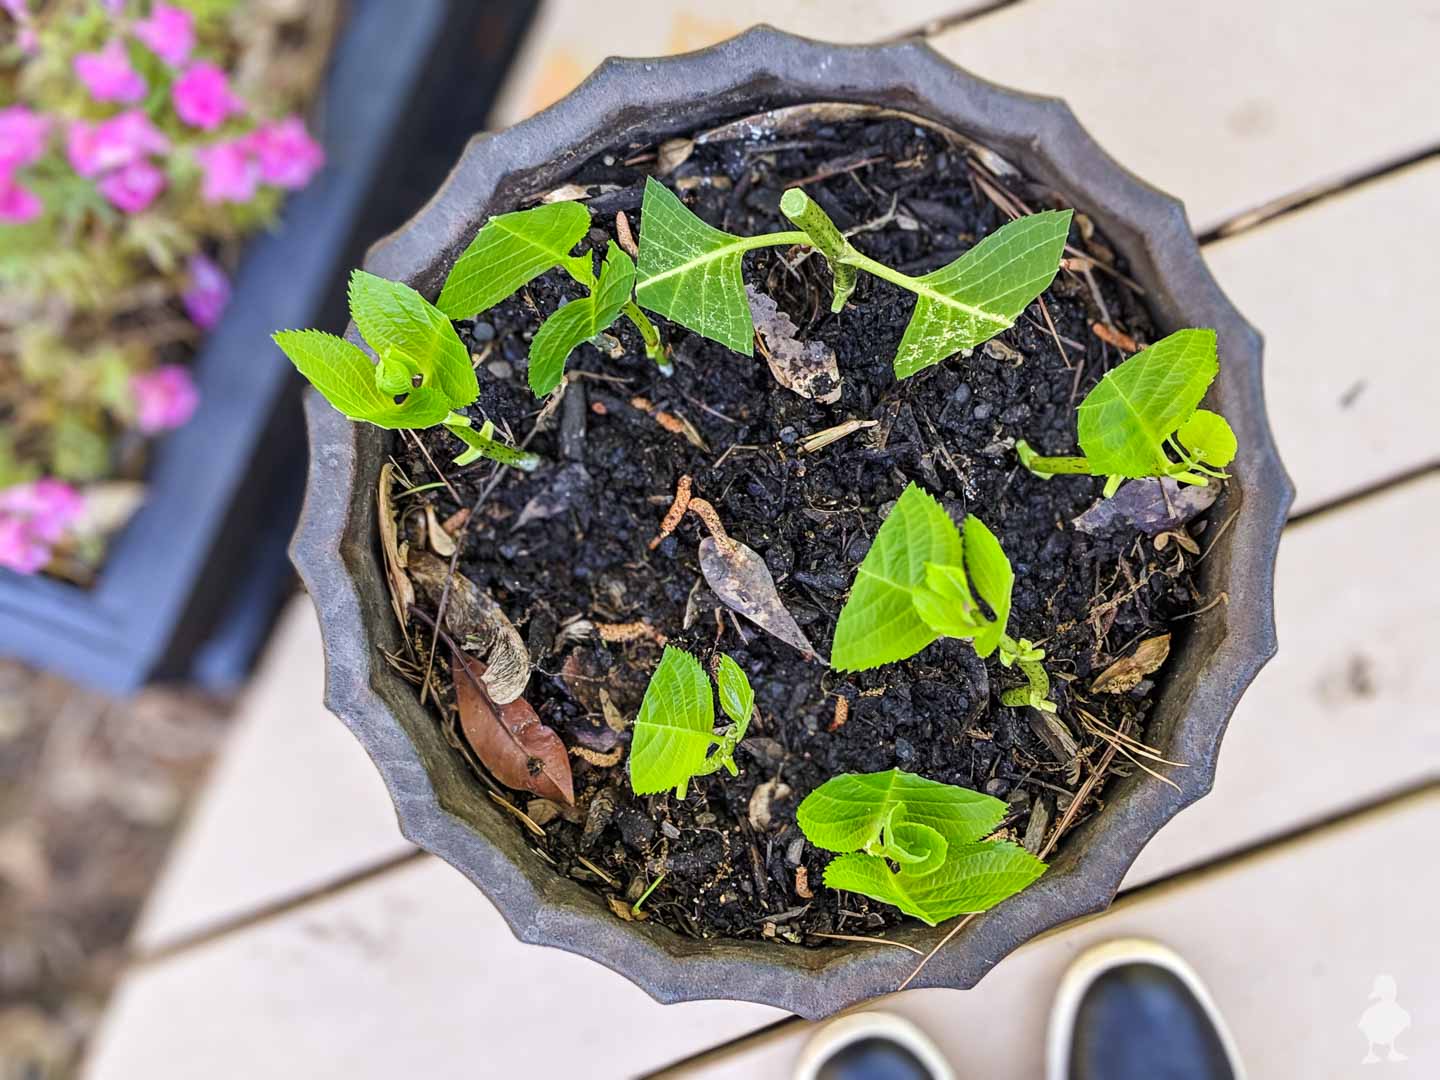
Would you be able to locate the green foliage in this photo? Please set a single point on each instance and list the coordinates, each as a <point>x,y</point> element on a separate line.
<point>880,623</point>
<point>690,272</point>
<point>580,320</point>
<point>511,250</point>
<point>483,444</point>
<point>424,371</point>
<point>676,724</point>
<point>915,843</point>
<point>1142,419</point>
<point>967,302</point>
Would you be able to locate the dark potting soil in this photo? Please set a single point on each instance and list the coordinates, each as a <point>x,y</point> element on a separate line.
<point>734,861</point>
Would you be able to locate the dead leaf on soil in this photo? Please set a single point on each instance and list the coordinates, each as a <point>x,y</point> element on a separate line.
<point>673,153</point>
<point>1126,673</point>
<point>762,800</point>
<point>402,592</point>
<point>477,622</point>
<point>441,542</point>
<point>520,751</point>
<point>1150,505</point>
<point>807,367</point>
<point>564,488</point>
<point>739,577</point>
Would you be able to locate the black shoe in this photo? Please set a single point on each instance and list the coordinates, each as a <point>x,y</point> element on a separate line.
<point>871,1046</point>
<point>1134,1010</point>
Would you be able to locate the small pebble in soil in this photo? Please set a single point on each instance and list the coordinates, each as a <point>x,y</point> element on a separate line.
<point>482,332</point>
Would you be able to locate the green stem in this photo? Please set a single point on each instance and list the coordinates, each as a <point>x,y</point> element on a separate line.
<point>642,323</point>
<point>826,239</point>
<point>1052,466</point>
<point>635,907</point>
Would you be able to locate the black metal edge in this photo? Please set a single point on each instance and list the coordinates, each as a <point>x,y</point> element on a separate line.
<point>334,547</point>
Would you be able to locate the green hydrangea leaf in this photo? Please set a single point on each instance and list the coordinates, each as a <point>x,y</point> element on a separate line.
<point>918,848</point>
<point>483,444</point>
<point>1209,437</point>
<point>345,375</point>
<point>737,698</point>
<point>990,576</point>
<point>392,316</point>
<point>395,372</point>
<point>967,302</point>
<point>510,251</point>
<point>973,877</point>
<point>675,726</point>
<point>946,603</point>
<point>848,812</point>
<point>1125,420</point>
<point>879,623</point>
<point>579,321</point>
<point>690,272</point>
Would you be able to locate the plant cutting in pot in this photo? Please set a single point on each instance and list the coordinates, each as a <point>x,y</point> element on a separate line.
<point>649,501</point>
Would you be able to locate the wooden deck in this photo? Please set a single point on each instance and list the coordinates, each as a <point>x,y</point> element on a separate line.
<point>296,934</point>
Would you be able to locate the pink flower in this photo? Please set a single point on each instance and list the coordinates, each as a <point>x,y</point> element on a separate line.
<point>22,136</point>
<point>132,187</point>
<point>288,156</point>
<point>17,204</point>
<point>114,143</point>
<point>164,398</point>
<point>33,517</point>
<point>108,76</point>
<point>169,33</point>
<point>208,293</point>
<point>203,98</point>
<point>231,174</point>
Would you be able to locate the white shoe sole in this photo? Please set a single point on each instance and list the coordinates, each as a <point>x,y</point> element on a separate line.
<point>834,1035</point>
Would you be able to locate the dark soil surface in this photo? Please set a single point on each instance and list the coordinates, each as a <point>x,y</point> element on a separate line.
<point>735,863</point>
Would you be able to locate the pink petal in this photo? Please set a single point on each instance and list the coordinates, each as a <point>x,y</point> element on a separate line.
<point>169,33</point>
<point>288,156</point>
<point>231,174</point>
<point>208,293</point>
<point>108,76</point>
<point>164,398</point>
<point>22,136</point>
<point>133,187</point>
<point>17,204</point>
<point>203,98</point>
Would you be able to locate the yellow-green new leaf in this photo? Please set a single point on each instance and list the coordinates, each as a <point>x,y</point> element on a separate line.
<point>1125,420</point>
<point>967,302</point>
<point>579,321</point>
<point>675,726</point>
<point>345,376</point>
<point>879,623</point>
<point>1208,436</point>
<point>483,444</point>
<point>737,698</point>
<point>510,251</point>
<point>973,878</point>
<point>848,812</point>
<point>395,319</point>
<point>690,272</point>
<point>990,576</point>
<point>946,604</point>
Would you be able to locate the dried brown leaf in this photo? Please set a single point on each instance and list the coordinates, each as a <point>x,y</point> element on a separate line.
<point>1124,674</point>
<point>809,368</point>
<point>477,622</point>
<point>673,153</point>
<point>441,542</point>
<point>739,577</point>
<point>520,751</point>
<point>762,800</point>
<point>402,592</point>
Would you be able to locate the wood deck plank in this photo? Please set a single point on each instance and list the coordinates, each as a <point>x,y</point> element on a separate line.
<point>1225,104</point>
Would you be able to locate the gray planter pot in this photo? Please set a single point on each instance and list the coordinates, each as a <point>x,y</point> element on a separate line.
<point>440,805</point>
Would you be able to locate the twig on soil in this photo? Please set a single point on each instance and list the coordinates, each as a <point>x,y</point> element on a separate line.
<point>673,516</point>
<point>942,943</point>
<point>1111,336</point>
<point>433,467</point>
<point>1045,310</point>
<point>1216,538</point>
<point>620,633</point>
<point>1223,598</point>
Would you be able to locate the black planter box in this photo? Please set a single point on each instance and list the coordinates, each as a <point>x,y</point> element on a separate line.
<point>190,585</point>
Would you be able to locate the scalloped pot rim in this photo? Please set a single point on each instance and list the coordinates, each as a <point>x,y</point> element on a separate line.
<point>444,811</point>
